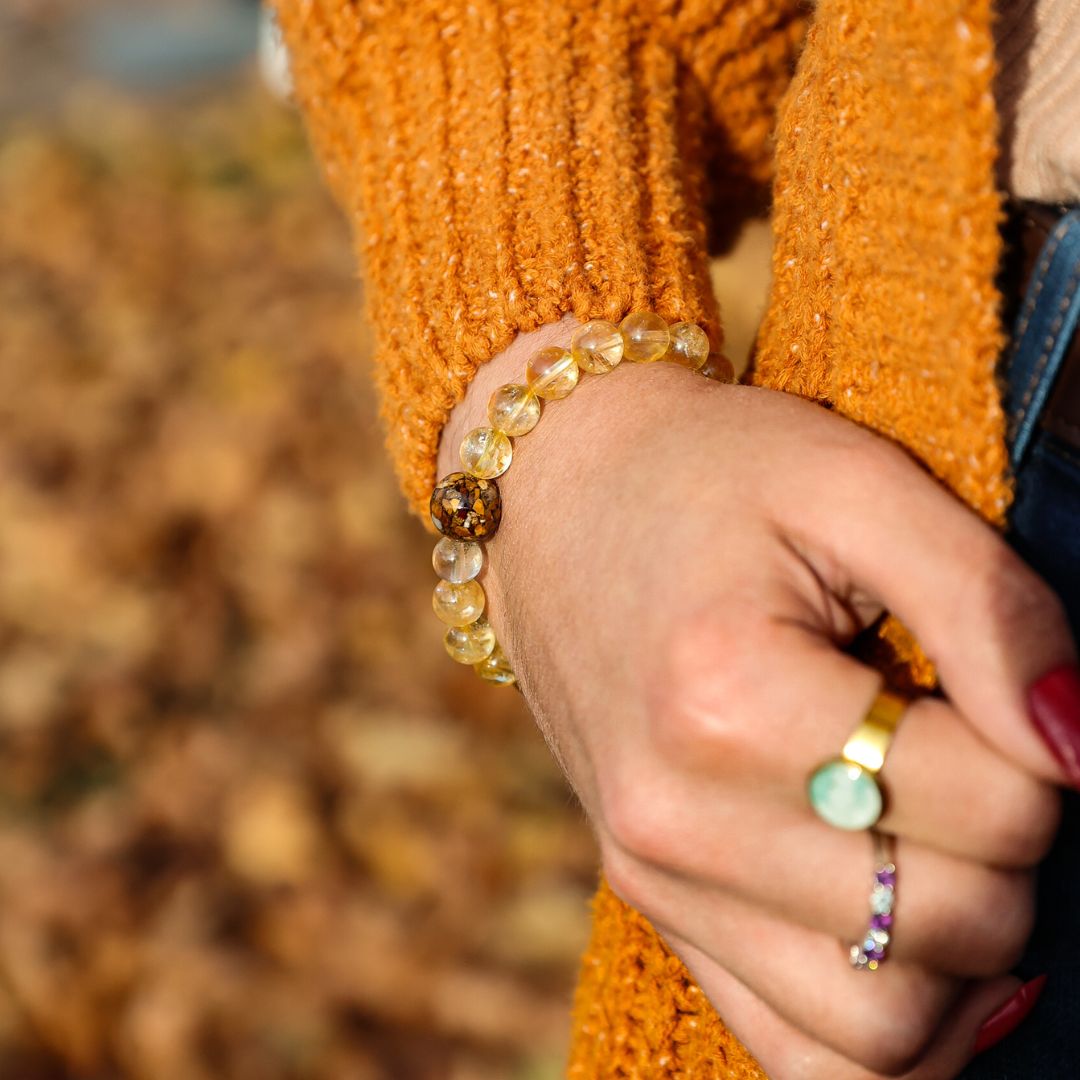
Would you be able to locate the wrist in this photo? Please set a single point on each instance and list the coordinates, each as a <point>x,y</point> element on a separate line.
<point>555,493</point>
<point>607,426</point>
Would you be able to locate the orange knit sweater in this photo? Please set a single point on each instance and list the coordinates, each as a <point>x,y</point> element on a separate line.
<point>505,162</point>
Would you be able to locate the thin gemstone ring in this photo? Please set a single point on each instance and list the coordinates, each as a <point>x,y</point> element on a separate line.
<point>844,791</point>
<point>869,954</point>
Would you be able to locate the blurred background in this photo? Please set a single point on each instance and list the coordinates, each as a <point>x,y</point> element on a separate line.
<point>254,824</point>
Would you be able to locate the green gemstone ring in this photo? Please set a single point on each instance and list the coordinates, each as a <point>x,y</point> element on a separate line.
<point>844,791</point>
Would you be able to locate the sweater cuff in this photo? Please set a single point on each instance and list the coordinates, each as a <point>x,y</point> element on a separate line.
<point>503,163</point>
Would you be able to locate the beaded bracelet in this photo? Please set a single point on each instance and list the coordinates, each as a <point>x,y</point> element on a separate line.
<point>466,507</point>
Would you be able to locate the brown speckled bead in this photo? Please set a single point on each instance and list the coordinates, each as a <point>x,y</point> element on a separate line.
<point>466,507</point>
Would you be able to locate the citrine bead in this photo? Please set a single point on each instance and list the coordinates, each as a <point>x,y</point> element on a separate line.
<point>597,346</point>
<point>457,560</point>
<point>514,409</point>
<point>496,669</point>
<point>718,368</point>
<point>486,452</point>
<point>458,605</point>
<point>552,373</point>
<point>466,507</point>
<point>645,337</point>
<point>689,345</point>
<point>470,644</point>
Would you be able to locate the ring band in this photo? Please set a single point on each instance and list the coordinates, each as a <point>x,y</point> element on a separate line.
<point>870,953</point>
<point>844,791</point>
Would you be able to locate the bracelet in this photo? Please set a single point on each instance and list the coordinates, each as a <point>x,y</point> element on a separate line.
<point>466,507</point>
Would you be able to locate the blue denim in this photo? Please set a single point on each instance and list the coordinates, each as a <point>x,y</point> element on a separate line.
<point>1045,518</point>
<point>1044,527</point>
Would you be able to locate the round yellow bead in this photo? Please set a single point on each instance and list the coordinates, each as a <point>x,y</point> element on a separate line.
<point>689,345</point>
<point>458,605</point>
<point>719,368</point>
<point>552,373</point>
<point>597,346</point>
<point>496,669</point>
<point>514,409</point>
<point>470,644</point>
<point>486,453</point>
<point>645,337</point>
<point>457,560</point>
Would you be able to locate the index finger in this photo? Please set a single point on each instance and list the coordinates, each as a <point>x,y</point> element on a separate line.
<point>991,626</point>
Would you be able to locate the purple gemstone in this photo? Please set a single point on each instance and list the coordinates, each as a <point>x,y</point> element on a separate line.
<point>880,922</point>
<point>876,954</point>
<point>886,877</point>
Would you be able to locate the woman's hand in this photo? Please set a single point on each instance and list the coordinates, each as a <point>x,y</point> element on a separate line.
<point>679,567</point>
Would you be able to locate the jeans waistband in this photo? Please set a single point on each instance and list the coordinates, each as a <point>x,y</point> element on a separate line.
<point>1043,366</point>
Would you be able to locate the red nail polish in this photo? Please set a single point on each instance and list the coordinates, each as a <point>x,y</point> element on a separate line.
<point>1054,702</point>
<point>1010,1016</point>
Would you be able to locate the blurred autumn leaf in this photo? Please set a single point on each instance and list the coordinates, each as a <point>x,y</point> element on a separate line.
<point>253,823</point>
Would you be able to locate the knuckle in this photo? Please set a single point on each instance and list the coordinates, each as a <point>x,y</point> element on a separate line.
<point>625,877</point>
<point>694,712</point>
<point>891,1045</point>
<point>636,821</point>
<point>1022,821</point>
<point>986,929</point>
<point>899,1051</point>
<point>1012,595</point>
<point>880,465</point>
<point>1008,920</point>
<point>886,1028</point>
<point>885,455</point>
<point>892,1055</point>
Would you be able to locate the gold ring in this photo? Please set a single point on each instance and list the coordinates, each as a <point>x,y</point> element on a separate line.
<point>844,791</point>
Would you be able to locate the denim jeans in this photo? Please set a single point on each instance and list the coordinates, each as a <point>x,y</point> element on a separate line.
<point>1044,527</point>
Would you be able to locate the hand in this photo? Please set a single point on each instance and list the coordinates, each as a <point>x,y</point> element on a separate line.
<point>679,567</point>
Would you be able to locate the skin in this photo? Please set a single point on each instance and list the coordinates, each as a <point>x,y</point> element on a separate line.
<point>679,567</point>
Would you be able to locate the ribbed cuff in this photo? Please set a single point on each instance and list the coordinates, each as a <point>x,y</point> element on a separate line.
<point>503,164</point>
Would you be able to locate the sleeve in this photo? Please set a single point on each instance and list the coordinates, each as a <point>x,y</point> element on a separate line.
<point>506,162</point>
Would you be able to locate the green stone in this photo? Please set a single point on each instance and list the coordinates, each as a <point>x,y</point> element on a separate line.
<point>845,795</point>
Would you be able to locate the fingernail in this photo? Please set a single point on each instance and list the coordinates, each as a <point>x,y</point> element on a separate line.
<point>1010,1016</point>
<point>1054,702</point>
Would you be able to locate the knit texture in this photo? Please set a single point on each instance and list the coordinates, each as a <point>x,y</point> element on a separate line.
<point>505,163</point>
<point>638,1013</point>
<point>883,302</point>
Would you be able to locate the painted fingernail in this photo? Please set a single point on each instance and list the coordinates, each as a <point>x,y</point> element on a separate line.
<point>1010,1016</point>
<point>1054,702</point>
